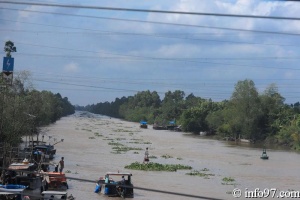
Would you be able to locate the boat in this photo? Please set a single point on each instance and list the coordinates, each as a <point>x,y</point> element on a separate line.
<point>47,150</point>
<point>12,191</point>
<point>56,195</point>
<point>264,155</point>
<point>172,125</point>
<point>143,124</point>
<point>122,188</point>
<point>56,181</point>
<point>159,126</point>
<point>12,188</point>
<point>26,174</point>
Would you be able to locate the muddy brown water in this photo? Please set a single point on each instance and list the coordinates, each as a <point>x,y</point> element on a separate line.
<point>89,156</point>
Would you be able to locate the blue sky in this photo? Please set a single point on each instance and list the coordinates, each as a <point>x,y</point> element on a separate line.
<point>97,58</point>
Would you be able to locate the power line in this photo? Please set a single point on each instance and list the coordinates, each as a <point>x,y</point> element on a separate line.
<point>165,59</point>
<point>158,36</point>
<point>152,22</point>
<point>150,10</point>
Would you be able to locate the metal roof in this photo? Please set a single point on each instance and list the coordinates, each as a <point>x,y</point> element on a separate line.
<point>119,173</point>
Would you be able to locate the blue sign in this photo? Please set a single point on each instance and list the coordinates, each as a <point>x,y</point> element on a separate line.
<point>8,64</point>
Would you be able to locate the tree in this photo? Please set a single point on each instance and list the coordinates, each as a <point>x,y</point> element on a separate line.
<point>245,105</point>
<point>272,107</point>
<point>9,47</point>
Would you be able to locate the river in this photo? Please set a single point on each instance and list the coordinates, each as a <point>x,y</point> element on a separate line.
<point>88,156</point>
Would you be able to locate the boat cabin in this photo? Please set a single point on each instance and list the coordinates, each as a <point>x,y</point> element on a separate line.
<point>117,184</point>
<point>25,174</point>
<point>49,195</point>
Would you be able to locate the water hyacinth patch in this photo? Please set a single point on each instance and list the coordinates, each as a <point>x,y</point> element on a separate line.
<point>157,167</point>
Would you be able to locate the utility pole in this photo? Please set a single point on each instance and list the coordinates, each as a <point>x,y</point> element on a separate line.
<point>7,79</point>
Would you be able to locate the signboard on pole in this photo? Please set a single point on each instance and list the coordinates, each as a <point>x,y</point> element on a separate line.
<point>8,64</point>
<point>7,78</point>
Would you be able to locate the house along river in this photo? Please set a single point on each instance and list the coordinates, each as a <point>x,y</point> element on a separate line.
<point>225,167</point>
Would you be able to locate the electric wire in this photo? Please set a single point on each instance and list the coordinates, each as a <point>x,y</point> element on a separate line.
<point>152,22</point>
<point>151,10</point>
<point>165,59</point>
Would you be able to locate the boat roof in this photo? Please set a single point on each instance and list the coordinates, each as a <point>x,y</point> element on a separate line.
<point>12,192</point>
<point>55,192</point>
<point>119,173</point>
<point>18,166</point>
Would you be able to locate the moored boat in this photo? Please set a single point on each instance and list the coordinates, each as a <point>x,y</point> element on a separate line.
<point>122,188</point>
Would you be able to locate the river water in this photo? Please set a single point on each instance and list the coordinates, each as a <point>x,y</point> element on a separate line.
<point>88,156</point>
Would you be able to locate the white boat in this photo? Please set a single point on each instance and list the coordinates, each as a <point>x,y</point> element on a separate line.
<point>245,140</point>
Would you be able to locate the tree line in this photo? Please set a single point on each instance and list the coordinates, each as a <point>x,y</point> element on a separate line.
<point>24,109</point>
<point>247,114</point>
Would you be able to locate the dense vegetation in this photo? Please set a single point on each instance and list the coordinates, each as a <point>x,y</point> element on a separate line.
<point>24,109</point>
<point>247,114</point>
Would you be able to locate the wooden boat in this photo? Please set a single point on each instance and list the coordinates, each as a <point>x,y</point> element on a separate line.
<point>56,195</point>
<point>143,124</point>
<point>16,191</point>
<point>264,155</point>
<point>56,181</point>
<point>44,149</point>
<point>26,175</point>
<point>122,188</point>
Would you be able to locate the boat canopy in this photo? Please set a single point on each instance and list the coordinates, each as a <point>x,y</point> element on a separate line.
<point>20,166</point>
<point>119,173</point>
<point>172,122</point>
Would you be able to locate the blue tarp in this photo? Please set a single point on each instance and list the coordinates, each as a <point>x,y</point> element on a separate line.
<point>143,122</point>
<point>172,122</point>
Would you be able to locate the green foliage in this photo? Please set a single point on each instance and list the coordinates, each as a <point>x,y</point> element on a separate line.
<point>247,114</point>
<point>201,173</point>
<point>25,109</point>
<point>157,167</point>
<point>9,47</point>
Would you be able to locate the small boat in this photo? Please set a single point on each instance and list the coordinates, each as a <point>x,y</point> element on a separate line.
<point>109,187</point>
<point>16,191</point>
<point>143,124</point>
<point>12,188</point>
<point>56,181</point>
<point>264,155</point>
<point>56,195</point>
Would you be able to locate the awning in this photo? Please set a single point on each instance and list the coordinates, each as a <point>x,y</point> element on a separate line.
<point>20,166</point>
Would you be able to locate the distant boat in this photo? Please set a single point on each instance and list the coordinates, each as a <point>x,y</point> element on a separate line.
<point>143,124</point>
<point>245,140</point>
<point>203,133</point>
<point>264,155</point>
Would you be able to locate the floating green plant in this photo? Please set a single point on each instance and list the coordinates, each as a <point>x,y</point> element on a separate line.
<point>147,143</point>
<point>125,149</point>
<point>98,134</point>
<point>166,156</point>
<point>228,181</point>
<point>157,167</point>
<point>152,157</point>
<point>120,138</point>
<point>115,143</point>
<point>199,173</point>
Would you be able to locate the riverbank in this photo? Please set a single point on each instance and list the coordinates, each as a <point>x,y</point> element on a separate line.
<point>88,155</point>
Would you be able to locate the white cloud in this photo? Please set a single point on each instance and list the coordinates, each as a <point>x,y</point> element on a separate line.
<point>71,67</point>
